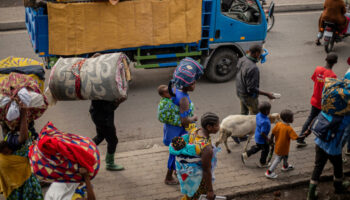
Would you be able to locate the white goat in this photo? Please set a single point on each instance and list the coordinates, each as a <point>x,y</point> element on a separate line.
<point>240,126</point>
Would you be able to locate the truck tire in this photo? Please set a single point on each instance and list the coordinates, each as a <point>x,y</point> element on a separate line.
<point>222,66</point>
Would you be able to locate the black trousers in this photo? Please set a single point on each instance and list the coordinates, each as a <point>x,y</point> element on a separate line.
<point>102,114</point>
<point>264,151</point>
<point>320,161</point>
<point>313,113</point>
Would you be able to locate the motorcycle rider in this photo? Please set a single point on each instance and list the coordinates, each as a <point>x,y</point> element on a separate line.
<point>333,11</point>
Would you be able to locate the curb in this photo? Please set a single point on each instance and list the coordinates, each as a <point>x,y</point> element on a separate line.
<point>12,25</point>
<point>298,7</point>
<point>20,25</point>
<point>295,183</point>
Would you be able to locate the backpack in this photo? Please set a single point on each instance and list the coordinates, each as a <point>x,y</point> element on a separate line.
<point>326,129</point>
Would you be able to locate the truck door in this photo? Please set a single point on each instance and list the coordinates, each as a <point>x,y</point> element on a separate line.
<point>241,21</point>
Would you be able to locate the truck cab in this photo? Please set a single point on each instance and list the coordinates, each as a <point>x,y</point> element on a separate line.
<point>238,24</point>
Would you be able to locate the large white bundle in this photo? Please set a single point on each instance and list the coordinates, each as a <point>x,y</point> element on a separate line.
<point>100,78</point>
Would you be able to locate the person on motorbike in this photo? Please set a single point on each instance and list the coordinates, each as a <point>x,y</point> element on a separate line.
<point>333,11</point>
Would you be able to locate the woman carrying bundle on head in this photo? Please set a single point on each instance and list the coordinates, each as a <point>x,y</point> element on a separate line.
<point>16,178</point>
<point>184,81</point>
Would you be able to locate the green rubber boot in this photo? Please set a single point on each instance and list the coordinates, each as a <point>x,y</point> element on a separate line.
<point>110,163</point>
<point>311,195</point>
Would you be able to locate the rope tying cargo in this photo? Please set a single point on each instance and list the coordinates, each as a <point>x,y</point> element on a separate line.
<point>76,73</point>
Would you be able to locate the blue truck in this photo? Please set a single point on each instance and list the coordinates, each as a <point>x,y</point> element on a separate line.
<point>229,28</point>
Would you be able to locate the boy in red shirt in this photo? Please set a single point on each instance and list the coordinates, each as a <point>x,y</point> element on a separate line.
<point>319,76</point>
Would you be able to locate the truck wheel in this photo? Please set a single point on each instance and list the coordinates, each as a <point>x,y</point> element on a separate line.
<point>222,66</point>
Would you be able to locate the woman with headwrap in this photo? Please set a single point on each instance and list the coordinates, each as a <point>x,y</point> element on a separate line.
<point>184,80</point>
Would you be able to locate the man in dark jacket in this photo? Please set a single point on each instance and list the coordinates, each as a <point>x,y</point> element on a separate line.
<point>247,81</point>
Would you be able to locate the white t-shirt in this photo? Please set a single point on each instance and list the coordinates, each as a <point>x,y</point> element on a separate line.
<point>61,191</point>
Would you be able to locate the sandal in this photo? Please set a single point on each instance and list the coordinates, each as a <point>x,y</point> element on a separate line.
<point>171,182</point>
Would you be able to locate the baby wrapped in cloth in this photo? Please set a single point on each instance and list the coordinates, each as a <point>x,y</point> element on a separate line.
<point>188,163</point>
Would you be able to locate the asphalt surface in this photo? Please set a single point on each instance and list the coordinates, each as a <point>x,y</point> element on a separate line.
<point>293,57</point>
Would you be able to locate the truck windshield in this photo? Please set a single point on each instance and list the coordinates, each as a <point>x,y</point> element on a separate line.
<point>246,11</point>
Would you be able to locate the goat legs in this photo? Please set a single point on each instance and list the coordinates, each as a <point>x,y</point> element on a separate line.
<point>223,136</point>
<point>246,145</point>
<point>228,150</point>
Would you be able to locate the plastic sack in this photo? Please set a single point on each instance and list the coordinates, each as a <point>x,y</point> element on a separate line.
<point>53,163</point>
<point>24,96</point>
<point>36,100</point>
<point>13,111</point>
<point>4,100</point>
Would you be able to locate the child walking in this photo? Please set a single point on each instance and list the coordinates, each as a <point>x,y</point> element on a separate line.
<point>318,77</point>
<point>263,126</point>
<point>283,133</point>
<point>166,103</point>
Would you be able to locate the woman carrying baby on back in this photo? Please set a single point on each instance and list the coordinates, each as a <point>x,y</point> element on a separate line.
<point>196,159</point>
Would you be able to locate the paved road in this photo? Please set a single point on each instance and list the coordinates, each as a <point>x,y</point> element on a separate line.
<point>292,60</point>
<point>293,57</point>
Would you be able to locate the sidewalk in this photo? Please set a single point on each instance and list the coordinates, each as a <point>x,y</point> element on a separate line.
<point>145,172</point>
<point>13,18</point>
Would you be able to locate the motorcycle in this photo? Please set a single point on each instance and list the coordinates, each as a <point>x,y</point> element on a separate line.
<point>331,35</point>
<point>270,18</point>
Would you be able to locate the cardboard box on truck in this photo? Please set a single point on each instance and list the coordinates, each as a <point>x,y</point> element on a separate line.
<point>79,28</point>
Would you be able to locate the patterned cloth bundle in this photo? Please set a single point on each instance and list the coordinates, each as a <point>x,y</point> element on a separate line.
<point>187,72</point>
<point>26,66</point>
<point>57,156</point>
<point>104,77</point>
<point>19,88</point>
<point>336,96</point>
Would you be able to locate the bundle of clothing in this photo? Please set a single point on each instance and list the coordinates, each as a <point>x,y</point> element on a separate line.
<point>336,96</point>
<point>27,66</point>
<point>104,77</point>
<point>19,88</point>
<point>57,156</point>
<point>186,73</point>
